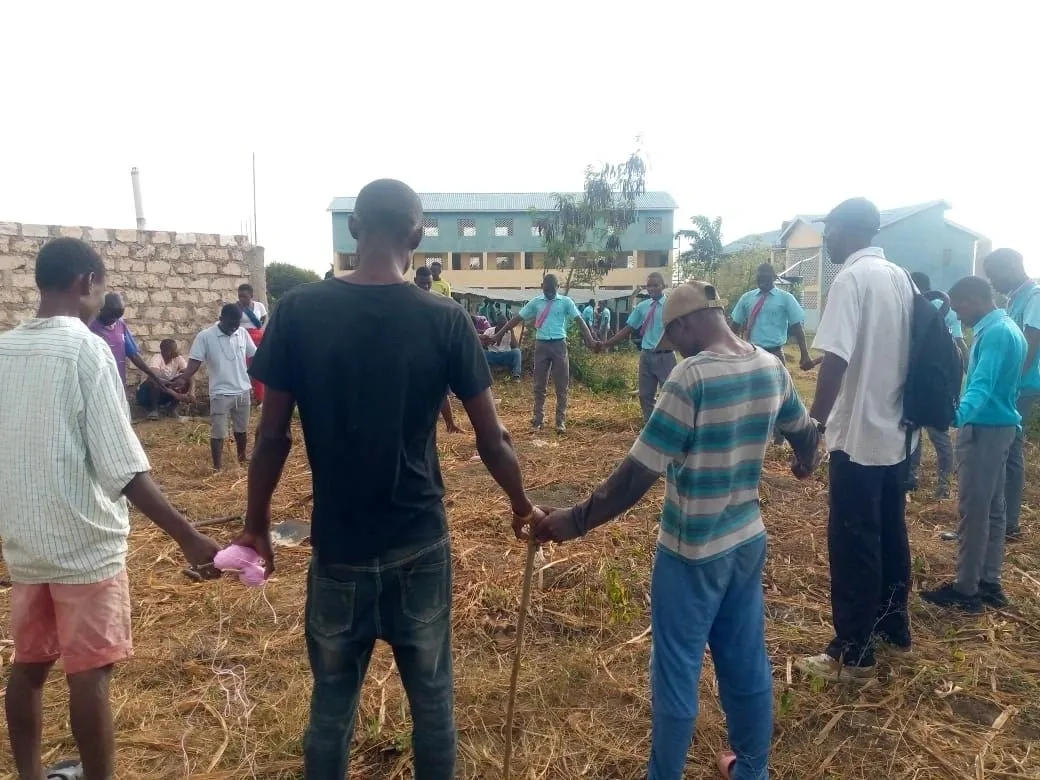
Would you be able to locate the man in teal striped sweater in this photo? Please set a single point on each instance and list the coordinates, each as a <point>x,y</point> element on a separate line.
<point>708,433</point>
<point>989,421</point>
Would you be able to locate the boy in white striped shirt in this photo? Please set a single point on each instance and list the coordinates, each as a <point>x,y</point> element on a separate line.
<point>69,462</point>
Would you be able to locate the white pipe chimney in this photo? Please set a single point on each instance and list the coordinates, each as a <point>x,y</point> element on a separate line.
<point>138,205</point>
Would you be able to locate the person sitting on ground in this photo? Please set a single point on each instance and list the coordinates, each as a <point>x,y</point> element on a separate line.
<point>69,463</point>
<point>940,439</point>
<point>254,316</point>
<point>503,353</point>
<point>368,393</point>
<point>168,365</point>
<point>551,313</point>
<point>439,286</point>
<point>424,281</point>
<point>224,348</point>
<point>709,433</point>
<point>988,420</point>
<point>110,327</point>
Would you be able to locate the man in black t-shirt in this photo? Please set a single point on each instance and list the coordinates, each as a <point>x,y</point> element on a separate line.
<point>368,359</point>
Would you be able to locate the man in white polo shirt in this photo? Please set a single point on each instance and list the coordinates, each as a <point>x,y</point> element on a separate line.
<point>224,348</point>
<point>865,337</point>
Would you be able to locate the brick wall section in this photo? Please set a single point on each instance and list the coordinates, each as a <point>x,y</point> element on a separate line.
<point>173,284</point>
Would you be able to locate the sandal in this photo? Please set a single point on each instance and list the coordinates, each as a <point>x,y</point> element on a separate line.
<point>726,762</point>
<point>70,769</point>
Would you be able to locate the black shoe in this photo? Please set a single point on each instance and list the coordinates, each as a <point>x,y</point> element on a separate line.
<point>949,596</point>
<point>992,594</point>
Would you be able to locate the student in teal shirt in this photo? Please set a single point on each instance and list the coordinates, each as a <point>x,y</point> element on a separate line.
<point>603,326</point>
<point>655,363</point>
<point>768,316</point>
<point>589,313</point>
<point>988,420</point>
<point>1005,268</point>
<point>550,314</point>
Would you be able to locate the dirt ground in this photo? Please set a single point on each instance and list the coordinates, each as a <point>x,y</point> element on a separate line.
<point>219,687</point>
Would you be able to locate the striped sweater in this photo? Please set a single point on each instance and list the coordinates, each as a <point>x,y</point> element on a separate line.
<point>709,434</point>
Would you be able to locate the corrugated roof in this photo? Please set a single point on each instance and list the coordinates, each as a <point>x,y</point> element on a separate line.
<point>513,295</point>
<point>434,202</point>
<point>750,242</point>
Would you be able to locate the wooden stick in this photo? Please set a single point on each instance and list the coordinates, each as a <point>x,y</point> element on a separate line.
<point>525,603</point>
<point>216,521</point>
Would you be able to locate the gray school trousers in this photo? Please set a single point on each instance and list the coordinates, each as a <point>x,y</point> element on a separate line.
<point>982,454</point>
<point>1016,466</point>
<point>654,368</point>
<point>550,357</point>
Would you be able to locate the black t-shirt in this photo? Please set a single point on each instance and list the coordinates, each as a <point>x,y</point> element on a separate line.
<point>369,367</point>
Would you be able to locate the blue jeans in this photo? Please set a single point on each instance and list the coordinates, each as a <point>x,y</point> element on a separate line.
<point>720,604</point>
<point>403,598</point>
<point>513,360</point>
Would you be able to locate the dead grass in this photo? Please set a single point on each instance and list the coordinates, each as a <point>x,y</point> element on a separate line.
<point>219,688</point>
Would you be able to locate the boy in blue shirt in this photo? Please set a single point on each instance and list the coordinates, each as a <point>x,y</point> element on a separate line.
<point>1006,270</point>
<point>551,313</point>
<point>655,362</point>
<point>988,420</point>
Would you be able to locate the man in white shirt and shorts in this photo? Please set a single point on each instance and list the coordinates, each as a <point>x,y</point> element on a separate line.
<point>224,348</point>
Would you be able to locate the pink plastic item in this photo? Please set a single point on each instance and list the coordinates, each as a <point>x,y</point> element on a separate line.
<point>244,560</point>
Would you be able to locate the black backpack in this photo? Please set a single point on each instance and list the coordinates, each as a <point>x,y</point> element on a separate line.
<point>933,377</point>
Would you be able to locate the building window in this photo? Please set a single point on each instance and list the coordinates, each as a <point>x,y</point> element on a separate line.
<point>503,228</point>
<point>467,227</point>
<point>475,262</point>
<point>430,227</point>
<point>654,225</point>
<point>503,262</point>
<point>433,259</point>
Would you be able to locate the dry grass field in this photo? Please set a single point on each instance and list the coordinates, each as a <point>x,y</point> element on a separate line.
<point>219,687</point>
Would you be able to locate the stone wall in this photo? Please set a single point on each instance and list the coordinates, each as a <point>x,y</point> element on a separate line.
<point>173,284</point>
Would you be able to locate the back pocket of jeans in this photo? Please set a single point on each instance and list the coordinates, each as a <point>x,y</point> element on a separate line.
<point>331,609</point>
<point>426,591</point>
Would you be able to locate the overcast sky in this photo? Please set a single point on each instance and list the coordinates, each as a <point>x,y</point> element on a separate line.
<point>748,111</point>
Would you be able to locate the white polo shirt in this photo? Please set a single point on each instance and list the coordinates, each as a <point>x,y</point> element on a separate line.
<point>225,359</point>
<point>866,322</point>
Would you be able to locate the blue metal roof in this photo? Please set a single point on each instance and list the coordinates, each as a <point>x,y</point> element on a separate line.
<point>434,202</point>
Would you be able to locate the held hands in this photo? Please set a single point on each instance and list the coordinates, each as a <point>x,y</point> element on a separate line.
<point>808,363</point>
<point>263,546</point>
<point>199,550</point>
<point>556,525</point>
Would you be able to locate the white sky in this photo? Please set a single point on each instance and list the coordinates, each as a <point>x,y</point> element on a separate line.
<point>751,111</point>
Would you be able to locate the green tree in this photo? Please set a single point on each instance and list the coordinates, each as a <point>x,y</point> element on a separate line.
<point>282,277</point>
<point>737,273</point>
<point>704,257</point>
<point>582,236</point>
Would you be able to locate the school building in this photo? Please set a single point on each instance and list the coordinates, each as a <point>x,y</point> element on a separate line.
<point>489,245</point>
<point>919,238</point>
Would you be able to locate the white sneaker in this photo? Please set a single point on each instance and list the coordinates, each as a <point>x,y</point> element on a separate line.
<point>827,668</point>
